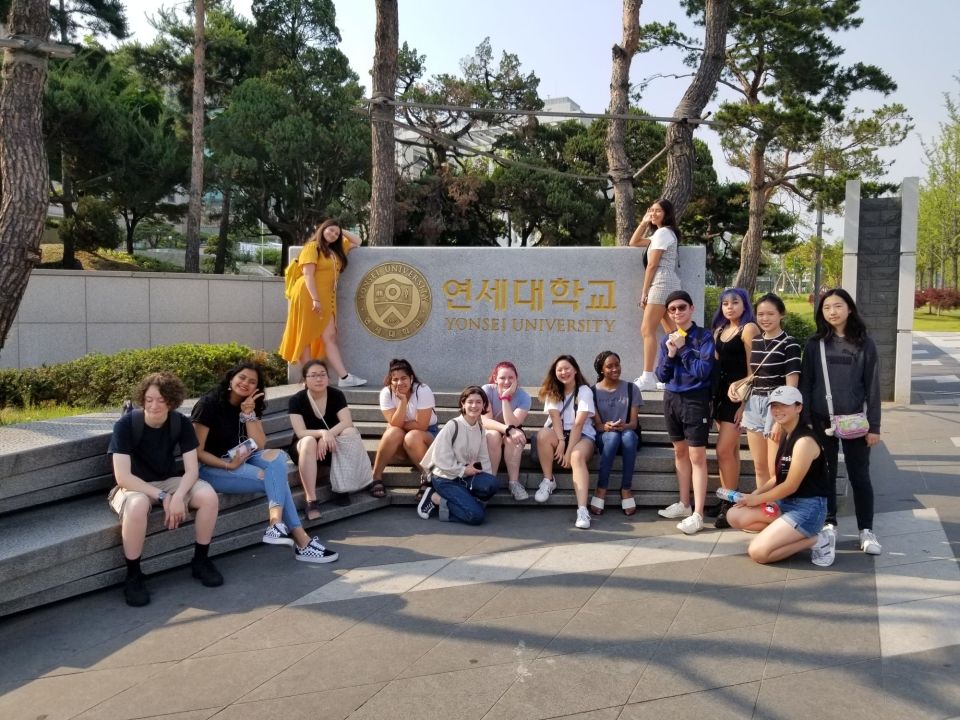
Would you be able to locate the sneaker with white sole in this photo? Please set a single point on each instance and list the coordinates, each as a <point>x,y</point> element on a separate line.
<point>675,511</point>
<point>426,505</point>
<point>518,491</point>
<point>691,525</point>
<point>583,519</point>
<point>547,486</point>
<point>869,543</point>
<point>315,552</point>
<point>646,382</point>
<point>825,551</point>
<point>351,380</point>
<point>278,534</point>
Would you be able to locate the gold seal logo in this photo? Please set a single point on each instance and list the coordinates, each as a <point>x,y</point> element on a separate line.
<point>393,301</point>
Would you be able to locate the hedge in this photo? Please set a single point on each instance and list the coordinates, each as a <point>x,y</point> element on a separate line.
<point>797,326</point>
<point>98,379</point>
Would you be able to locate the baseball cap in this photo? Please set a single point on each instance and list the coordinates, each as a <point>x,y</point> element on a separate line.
<point>786,395</point>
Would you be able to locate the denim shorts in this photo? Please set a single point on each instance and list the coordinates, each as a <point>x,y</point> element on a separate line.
<point>804,514</point>
<point>433,429</point>
<point>756,415</point>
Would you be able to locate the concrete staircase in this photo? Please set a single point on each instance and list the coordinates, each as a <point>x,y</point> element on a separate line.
<point>61,539</point>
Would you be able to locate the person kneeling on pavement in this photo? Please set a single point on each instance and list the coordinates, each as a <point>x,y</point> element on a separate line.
<point>458,465</point>
<point>143,449</point>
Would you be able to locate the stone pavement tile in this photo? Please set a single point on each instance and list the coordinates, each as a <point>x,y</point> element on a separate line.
<point>567,684</point>
<point>606,714</point>
<point>295,625</point>
<point>65,696</point>
<point>733,702</point>
<point>926,678</point>
<point>494,641</point>
<point>829,594</point>
<point>596,627</point>
<point>673,547</point>
<point>727,609</point>
<point>581,557</point>
<point>542,594</point>
<point>493,567</point>
<point>736,571</point>
<point>425,610</point>
<point>347,662</point>
<point>463,694</point>
<point>906,522</point>
<point>917,581</point>
<point>914,547</point>
<point>642,583</point>
<point>920,625</point>
<point>196,684</point>
<point>328,705</point>
<point>805,641</point>
<point>731,542</point>
<point>690,664</point>
<point>851,692</point>
<point>187,632</point>
<point>189,715</point>
<point>374,580</point>
<point>424,544</point>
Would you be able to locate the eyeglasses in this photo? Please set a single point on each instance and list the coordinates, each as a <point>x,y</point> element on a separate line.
<point>314,376</point>
<point>677,308</point>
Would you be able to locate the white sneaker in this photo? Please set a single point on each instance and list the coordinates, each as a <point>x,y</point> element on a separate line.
<point>691,525</point>
<point>647,381</point>
<point>661,386</point>
<point>583,519</point>
<point>278,534</point>
<point>518,491</point>
<point>825,551</point>
<point>351,380</point>
<point>677,510</point>
<point>869,543</point>
<point>547,486</point>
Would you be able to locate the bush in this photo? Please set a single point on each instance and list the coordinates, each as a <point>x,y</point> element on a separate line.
<point>98,379</point>
<point>93,226</point>
<point>938,299</point>
<point>799,327</point>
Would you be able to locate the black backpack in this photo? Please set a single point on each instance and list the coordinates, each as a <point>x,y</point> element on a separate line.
<point>138,422</point>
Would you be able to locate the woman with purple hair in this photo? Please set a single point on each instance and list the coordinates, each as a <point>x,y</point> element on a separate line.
<point>734,329</point>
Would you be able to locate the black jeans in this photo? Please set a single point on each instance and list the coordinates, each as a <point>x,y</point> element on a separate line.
<point>856,455</point>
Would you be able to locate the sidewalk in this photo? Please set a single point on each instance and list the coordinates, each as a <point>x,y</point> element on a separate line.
<point>526,617</point>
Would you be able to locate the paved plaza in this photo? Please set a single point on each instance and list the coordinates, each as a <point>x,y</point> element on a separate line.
<point>526,617</point>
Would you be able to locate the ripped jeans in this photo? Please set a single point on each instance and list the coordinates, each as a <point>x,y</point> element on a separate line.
<point>246,479</point>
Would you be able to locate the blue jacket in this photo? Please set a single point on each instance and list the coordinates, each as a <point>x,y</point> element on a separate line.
<point>692,367</point>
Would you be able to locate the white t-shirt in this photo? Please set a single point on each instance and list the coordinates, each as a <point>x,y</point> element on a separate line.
<point>662,239</point>
<point>420,399</point>
<point>584,403</point>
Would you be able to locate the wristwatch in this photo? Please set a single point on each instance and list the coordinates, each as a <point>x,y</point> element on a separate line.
<point>162,496</point>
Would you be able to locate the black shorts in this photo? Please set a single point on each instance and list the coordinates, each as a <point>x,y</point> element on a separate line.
<point>724,409</point>
<point>688,416</point>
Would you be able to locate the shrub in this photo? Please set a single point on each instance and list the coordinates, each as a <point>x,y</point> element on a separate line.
<point>938,299</point>
<point>93,225</point>
<point>799,327</point>
<point>98,379</point>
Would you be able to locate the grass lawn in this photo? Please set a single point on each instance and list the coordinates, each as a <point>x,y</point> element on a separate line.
<point>14,416</point>
<point>949,321</point>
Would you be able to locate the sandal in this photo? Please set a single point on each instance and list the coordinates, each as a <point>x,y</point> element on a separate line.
<point>628,504</point>
<point>378,490</point>
<point>596,505</point>
<point>312,509</point>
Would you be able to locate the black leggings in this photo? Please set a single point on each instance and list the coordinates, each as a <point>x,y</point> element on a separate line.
<point>856,455</point>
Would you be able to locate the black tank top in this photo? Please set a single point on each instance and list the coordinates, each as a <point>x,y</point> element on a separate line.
<point>732,358</point>
<point>814,483</point>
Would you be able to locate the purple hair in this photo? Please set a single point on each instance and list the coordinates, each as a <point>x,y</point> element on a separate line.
<point>720,321</point>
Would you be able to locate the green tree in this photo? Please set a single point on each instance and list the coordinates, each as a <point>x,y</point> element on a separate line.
<point>938,246</point>
<point>783,64</point>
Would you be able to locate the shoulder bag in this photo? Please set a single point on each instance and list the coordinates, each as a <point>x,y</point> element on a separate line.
<point>845,427</point>
<point>743,388</point>
<point>350,468</point>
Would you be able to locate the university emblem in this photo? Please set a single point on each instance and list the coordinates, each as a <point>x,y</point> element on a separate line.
<point>393,300</point>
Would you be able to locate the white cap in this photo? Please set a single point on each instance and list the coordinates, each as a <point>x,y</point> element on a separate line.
<point>786,395</point>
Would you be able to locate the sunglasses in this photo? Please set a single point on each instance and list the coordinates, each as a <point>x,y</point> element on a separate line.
<point>677,308</point>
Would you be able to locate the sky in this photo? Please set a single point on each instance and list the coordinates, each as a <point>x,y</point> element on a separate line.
<point>567,44</point>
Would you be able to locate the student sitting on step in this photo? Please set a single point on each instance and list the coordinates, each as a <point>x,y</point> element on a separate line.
<point>508,407</point>
<point>143,449</point>
<point>458,465</point>
<point>234,457</point>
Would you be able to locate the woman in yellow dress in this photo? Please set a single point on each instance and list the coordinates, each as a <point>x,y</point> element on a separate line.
<point>311,330</point>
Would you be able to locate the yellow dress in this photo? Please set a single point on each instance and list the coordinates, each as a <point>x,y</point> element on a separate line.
<point>305,327</point>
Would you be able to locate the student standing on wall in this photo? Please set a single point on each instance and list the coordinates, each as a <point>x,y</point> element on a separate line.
<point>660,278</point>
<point>685,366</point>
<point>854,373</point>
<point>311,288</point>
<point>143,451</point>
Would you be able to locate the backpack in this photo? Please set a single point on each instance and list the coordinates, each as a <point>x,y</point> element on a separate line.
<point>290,277</point>
<point>137,422</point>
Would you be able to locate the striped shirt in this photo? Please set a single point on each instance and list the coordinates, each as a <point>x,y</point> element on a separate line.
<point>782,359</point>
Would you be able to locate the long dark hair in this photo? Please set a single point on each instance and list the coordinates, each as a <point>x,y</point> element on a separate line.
<point>669,216</point>
<point>553,388</point>
<point>336,247</point>
<point>855,331</point>
<point>223,389</point>
<point>719,321</point>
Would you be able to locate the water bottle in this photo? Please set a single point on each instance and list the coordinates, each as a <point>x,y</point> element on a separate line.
<point>734,496</point>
